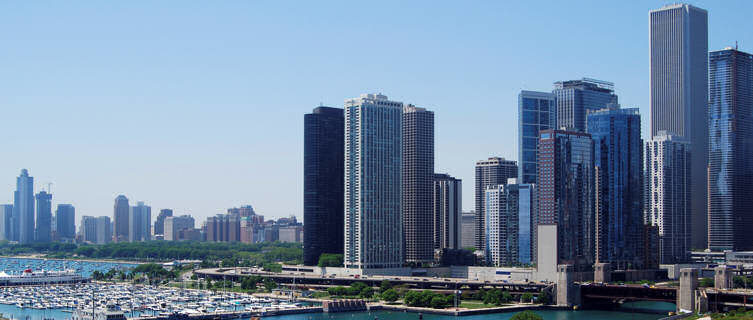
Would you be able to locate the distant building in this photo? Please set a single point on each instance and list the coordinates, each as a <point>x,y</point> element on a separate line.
<point>95,229</point>
<point>139,222</point>
<point>667,195</point>
<point>120,218</point>
<point>65,221</point>
<point>159,223</point>
<point>224,228</point>
<point>291,234</point>
<point>491,172</point>
<point>173,226</point>
<point>23,208</point>
<point>678,45</point>
<point>730,150</point>
<point>448,204</point>
<point>44,217</point>
<point>323,182</point>
<point>509,223</point>
<point>373,158</point>
<point>6,219</point>
<point>536,112</point>
<point>577,98</point>
<point>468,229</point>
<point>104,230</point>
<point>417,184</point>
<point>524,211</point>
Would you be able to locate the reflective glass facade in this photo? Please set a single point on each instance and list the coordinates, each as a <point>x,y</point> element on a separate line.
<point>577,98</point>
<point>491,172</point>
<point>730,150</point>
<point>44,217</point>
<point>536,112</point>
<point>23,208</point>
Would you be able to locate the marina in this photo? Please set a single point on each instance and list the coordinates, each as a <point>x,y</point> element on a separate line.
<point>83,268</point>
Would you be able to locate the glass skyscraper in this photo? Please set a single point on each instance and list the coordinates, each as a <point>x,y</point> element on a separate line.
<point>323,183</point>
<point>44,217</point>
<point>536,112</point>
<point>491,172</point>
<point>618,191</point>
<point>65,215</point>
<point>120,218</point>
<point>678,46</point>
<point>577,98</point>
<point>23,208</point>
<point>373,162</point>
<point>730,150</point>
<point>448,205</point>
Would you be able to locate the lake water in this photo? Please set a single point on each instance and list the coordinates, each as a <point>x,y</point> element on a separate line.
<point>84,268</point>
<point>547,315</point>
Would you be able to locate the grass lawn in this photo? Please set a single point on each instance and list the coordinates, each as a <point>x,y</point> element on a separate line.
<point>475,304</point>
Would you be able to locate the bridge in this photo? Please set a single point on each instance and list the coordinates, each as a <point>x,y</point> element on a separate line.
<point>601,293</point>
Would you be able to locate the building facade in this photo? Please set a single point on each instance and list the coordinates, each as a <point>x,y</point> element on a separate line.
<point>678,41</point>
<point>323,183</point>
<point>509,223</point>
<point>373,159</point>
<point>565,194</point>
<point>730,172</point>
<point>577,98</point>
<point>65,221</point>
<point>120,218</point>
<point>43,231</point>
<point>417,184</point>
<point>23,208</point>
<point>618,189</point>
<point>491,172</point>
<point>175,224</point>
<point>667,194</point>
<point>159,223</point>
<point>6,217</point>
<point>536,112</point>
<point>468,229</point>
<point>448,204</point>
<point>140,222</point>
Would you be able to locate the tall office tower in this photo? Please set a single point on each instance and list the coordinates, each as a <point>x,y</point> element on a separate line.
<point>730,150</point>
<point>323,186</point>
<point>6,219</point>
<point>23,207</point>
<point>667,194</point>
<point>448,192</point>
<point>536,112</point>
<point>618,188</point>
<point>173,226</point>
<point>233,226</point>
<point>88,229</point>
<point>65,226</point>
<point>468,229</point>
<point>140,222</point>
<point>247,210</point>
<point>104,230</point>
<point>678,41</point>
<point>418,184</point>
<point>577,98</point>
<point>120,219</point>
<point>43,230</point>
<point>500,227</point>
<point>159,223</point>
<point>523,196</point>
<point>373,159</point>
<point>566,195</point>
<point>491,172</point>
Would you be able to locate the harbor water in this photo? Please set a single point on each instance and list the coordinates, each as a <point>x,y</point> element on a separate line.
<point>547,315</point>
<point>84,268</point>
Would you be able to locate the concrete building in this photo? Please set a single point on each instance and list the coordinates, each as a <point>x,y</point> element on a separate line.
<point>6,219</point>
<point>140,222</point>
<point>291,234</point>
<point>536,112</point>
<point>678,46</point>
<point>373,159</point>
<point>577,98</point>
<point>730,171</point>
<point>468,229</point>
<point>120,219</point>
<point>43,230</point>
<point>491,172</point>
<point>448,203</point>
<point>104,230</point>
<point>323,183</point>
<point>23,208</point>
<point>65,221</point>
<point>96,230</point>
<point>509,223</point>
<point>173,226</point>
<point>417,184</point>
<point>159,223</point>
<point>667,194</point>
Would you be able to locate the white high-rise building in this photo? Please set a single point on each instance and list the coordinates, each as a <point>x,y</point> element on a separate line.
<point>667,166</point>
<point>373,219</point>
<point>678,40</point>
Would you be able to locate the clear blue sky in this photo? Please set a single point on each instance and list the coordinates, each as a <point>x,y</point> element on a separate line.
<point>198,106</point>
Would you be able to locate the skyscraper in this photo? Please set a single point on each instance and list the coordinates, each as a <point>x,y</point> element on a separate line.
<point>120,218</point>
<point>730,150</point>
<point>577,98</point>
<point>6,215</point>
<point>65,215</point>
<point>468,229</point>
<point>618,186</point>
<point>491,172</point>
<point>373,159</point>
<point>667,195</point>
<point>44,217</point>
<point>104,230</point>
<point>140,222</point>
<point>448,204</point>
<point>678,41</point>
<point>173,226</point>
<point>323,182</point>
<point>536,112</point>
<point>417,184</point>
<point>523,196</point>
<point>500,227</point>
<point>565,193</point>
<point>159,223</point>
<point>23,208</point>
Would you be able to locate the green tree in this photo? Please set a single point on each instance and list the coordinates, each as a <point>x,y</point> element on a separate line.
<point>269,284</point>
<point>526,315</point>
<point>385,285</point>
<point>544,297</point>
<point>389,295</point>
<point>366,293</point>
<point>526,297</point>
<point>330,260</point>
<point>706,282</point>
<point>272,267</point>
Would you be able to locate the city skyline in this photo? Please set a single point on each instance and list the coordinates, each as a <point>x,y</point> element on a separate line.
<point>90,180</point>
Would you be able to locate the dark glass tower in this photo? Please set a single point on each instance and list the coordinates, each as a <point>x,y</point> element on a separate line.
<point>536,112</point>
<point>577,98</point>
<point>65,216</point>
<point>44,217</point>
<point>323,169</point>
<point>120,218</point>
<point>618,186</point>
<point>23,208</point>
<point>159,223</point>
<point>730,150</point>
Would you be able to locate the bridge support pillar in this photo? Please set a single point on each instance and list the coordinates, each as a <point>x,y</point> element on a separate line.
<point>568,294</point>
<point>602,272</point>
<point>722,278</point>
<point>687,292</point>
